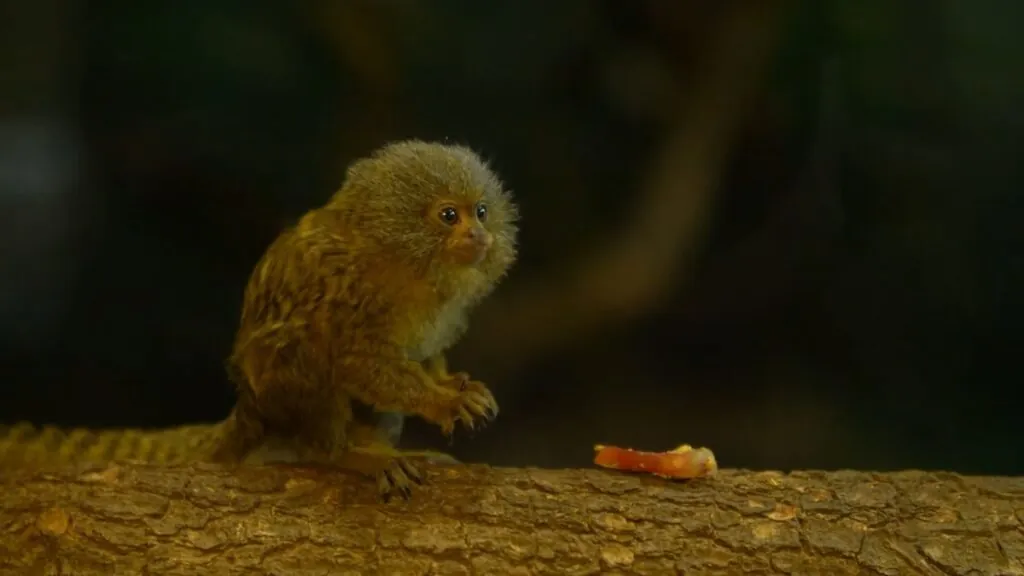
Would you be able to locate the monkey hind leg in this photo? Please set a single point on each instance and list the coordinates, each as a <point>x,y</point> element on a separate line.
<point>369,426</point>
<point>372,427</point>
<point>432,457</point>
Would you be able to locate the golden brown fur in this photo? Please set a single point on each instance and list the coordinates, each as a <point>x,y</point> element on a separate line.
<point>361,298</point>
<point>27,445</point>
<point>355,305</point>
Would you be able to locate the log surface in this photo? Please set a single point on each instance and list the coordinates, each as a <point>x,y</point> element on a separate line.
<point>139,519</point>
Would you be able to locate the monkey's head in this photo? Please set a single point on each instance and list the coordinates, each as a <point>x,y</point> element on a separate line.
<point>438,208</point>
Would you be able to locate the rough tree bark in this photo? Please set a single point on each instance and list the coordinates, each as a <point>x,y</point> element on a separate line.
<point>135,519</point>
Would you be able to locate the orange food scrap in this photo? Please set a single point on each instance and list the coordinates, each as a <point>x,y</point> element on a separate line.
<point>682,462</point>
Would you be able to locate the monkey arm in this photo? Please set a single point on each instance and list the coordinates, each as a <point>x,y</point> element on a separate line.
<point>393,384</point>
<point>437,368</point>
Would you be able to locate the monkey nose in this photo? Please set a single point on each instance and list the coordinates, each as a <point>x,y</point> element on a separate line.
<point>478,235</point>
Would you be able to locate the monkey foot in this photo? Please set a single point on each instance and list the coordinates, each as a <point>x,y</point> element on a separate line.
<point>397,478</point>
<point>395,475</point>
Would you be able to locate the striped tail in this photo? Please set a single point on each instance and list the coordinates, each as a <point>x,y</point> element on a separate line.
<point>24,445</point>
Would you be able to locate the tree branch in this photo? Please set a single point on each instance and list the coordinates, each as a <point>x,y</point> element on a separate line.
<point>137,519</point>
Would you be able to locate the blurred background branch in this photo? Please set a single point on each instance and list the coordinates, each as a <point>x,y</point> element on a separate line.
<point>636,266</point>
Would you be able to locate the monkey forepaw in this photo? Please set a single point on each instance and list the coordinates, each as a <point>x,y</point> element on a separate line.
<point>474,406</point>
<point>458,381</point>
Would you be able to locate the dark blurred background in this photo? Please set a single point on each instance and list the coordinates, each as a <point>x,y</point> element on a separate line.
<point>782,229</point>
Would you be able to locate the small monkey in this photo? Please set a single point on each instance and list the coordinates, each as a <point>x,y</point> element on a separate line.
<point>347,316</point>
<point>360,300</point>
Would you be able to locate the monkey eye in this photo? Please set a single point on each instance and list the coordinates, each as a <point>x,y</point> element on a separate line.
<point>481,212</point>
<point>449,215</point>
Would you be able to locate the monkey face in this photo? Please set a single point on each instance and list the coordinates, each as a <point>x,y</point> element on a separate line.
<point>467,238</point>
<point>435,208</point>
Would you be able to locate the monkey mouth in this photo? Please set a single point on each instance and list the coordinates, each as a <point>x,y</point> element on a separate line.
<point>472,252</point>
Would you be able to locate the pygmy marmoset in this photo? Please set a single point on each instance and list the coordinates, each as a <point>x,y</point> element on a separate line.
<point>351,309</point>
